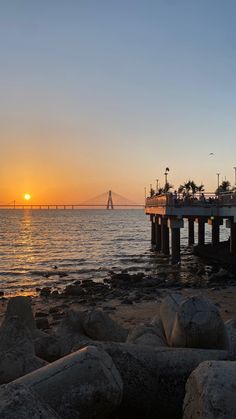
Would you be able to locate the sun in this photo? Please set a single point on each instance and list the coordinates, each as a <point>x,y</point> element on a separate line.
<point>27,196</point>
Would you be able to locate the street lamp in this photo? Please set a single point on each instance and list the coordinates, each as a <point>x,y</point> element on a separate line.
<point>166,174</point>
<point>234,176</point>
<point>157,181</point>
<point>150,190</point>
<point>218,181</point>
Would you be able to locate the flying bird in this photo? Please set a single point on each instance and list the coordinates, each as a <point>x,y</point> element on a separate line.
<point>211,154</point>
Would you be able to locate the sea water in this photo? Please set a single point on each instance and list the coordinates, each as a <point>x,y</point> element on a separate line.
<point>55,247</point>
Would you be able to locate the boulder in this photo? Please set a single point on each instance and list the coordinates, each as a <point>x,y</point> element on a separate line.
<point>21,307</point>
<point>18,401</point>
<point>98,325</point>
<point>147,334</point>
<point>48,347</point>
<point>154,379</point>
<point>15,335</point>
<point>211,391</point>
<point>231,332</point>
<point>15,363</point>
<point>73,321</point>
<point>74,290</point>
<point>85,384</point>
<point>168,310</point>
<point>70,333</point>
<point>198,324</point>
<point>42,323</point>
<point>17,355</point>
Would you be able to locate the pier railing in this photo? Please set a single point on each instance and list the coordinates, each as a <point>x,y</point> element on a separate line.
<point>180,200</point>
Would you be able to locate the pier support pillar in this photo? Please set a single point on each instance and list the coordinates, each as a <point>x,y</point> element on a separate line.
<point>233,238</point>
<point>190,231</point>
<point>201,230</point>
<point>215,223</point>
<point>158,233</point>
<point>230,224</point>
<point>165,240</point>
<point>175,225</point>
<point>153,230</point>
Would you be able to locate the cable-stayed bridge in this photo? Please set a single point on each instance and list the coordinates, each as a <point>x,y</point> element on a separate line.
<point>108,200</point>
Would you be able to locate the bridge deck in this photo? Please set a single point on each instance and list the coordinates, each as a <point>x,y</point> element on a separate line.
<point>63,206</point>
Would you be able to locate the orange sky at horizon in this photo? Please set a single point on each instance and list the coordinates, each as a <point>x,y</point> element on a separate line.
<point>58,163</point>
<point>105,95</point>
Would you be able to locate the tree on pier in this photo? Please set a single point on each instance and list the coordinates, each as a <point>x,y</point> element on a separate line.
<point>166,188</point>
<point>224,187</point>
<point>190,188</point>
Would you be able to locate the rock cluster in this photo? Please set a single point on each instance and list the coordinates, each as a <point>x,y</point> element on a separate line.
<point>98,369</point>
<point>211,391</point>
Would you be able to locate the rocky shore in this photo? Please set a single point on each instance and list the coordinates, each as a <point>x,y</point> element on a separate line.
<point>130,347</point>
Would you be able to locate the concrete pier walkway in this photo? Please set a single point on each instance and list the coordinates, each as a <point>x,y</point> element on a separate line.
<point>167,213</point>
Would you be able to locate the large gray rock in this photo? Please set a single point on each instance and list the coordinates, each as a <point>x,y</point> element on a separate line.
<point>15,335</point>
<point>85,384</point>
<point>147,334</point>
<point>18,401</point>
<point>48,347</point>
<point>231,332</point>
<point>168,309</point>
<point>154,379</point>
<point>99,326</point>
<point>82,328</point>
<point>17,356</point>
<point>14,364</point>
<point>198,325</point>
<point>21,307</point>
<point>70,334</point>
<point>211,391</point>
<point>73,322</point>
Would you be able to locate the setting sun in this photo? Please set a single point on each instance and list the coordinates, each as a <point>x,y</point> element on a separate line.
<point>27,196</point>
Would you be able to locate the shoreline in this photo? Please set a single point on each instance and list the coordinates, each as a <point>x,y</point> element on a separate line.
<point>126,311</point>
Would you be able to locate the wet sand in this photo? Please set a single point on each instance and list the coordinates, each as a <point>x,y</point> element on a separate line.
<point>131,313</point>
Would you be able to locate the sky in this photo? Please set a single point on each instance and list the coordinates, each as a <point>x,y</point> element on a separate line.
<point>99,95</point>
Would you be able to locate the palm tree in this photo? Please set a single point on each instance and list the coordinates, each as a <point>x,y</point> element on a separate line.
<point>190,188</point>
<point>152,192</point>
<point>160,191</point>
<point>167,187</point>
<point>224,187</point>
<point>193,186</point>
<point>200,188</point>
<point>185,188</point>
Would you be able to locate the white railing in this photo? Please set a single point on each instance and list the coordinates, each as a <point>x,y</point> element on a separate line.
<point>204,200</point>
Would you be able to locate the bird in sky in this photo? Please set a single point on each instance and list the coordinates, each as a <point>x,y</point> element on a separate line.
<point>211,154</point>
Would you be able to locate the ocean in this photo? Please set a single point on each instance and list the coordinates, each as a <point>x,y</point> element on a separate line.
<point>53,248</point>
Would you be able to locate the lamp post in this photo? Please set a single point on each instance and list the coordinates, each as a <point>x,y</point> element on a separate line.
<point>218,181</point>
<point>150,190</point>
<point>166,174</point>
<point>235,176</point>
<point>157,182</point>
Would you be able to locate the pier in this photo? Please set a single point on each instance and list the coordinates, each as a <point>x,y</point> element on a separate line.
<point>167,213</point>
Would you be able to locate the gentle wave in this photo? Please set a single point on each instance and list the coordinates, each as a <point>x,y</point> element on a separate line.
<point>52,248</point>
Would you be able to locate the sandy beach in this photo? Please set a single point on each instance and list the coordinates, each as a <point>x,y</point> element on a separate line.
<point>127,314</point>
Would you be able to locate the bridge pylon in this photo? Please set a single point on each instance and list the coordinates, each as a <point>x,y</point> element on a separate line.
<point>109,201</point>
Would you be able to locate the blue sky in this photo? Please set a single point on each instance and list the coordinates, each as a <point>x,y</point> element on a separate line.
<point>106,94</point>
